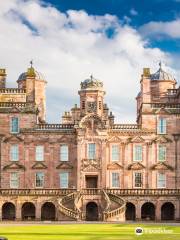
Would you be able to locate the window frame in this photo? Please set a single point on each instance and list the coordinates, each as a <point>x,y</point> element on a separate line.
<point>88,151</point>
<point>161,127</point>
<point>134,180</point>
<point>12,154</point>
<point>63,154</point>
<point>11,125</point>
<point>135,153</point>
<point>43,175</point>
<point>67,180</point>
<point>164,152</point>
<point>158,180</point>
<point>117,180</point>
<point>38,154</point>
<point>12,180</point>
<point>113,154</point>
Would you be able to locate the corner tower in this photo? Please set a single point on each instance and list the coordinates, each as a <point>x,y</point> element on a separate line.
<point>91,97</point>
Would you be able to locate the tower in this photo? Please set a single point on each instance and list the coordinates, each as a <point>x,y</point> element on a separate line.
<point>91,97</point>
<point>2,78</point>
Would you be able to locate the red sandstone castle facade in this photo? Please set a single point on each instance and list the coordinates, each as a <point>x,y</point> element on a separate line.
<point>88,167</point>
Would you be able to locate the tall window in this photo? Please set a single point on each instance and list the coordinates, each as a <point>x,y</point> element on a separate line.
<point>137,153</point>
<point>39,179</point>
<point>64,153</point>
<point>161,126</point>
<point>115,180</point>
<point>161,180</point>
<point>14,152</point>
<point>14,125</point>
<point>14,180</point>
<point>137,180</point>
<point>39,153</point>
<point>115,153</point>
<point>161,153</point>
<point>64,179</point>
<point>91,151</point>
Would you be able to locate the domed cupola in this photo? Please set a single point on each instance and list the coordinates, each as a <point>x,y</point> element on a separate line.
<point>162,75</point>
<point>91,83</point>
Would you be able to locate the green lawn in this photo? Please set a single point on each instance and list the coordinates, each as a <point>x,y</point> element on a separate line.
<point>88,232</point>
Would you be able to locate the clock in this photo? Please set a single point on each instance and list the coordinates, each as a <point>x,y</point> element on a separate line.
<point>91,106</point>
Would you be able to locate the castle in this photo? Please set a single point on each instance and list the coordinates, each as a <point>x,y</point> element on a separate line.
<point>88,167</point>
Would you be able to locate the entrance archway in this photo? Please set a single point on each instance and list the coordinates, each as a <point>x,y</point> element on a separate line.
<point>8,211</point>
<point>167,211</point>
<point>48,211</point>
<point>148,211</point>
<point>92,211</point>
<point>28,211</point>
<point>130,211</point>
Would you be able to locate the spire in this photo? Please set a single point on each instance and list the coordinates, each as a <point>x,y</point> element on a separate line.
<point>31,71</point>
<point>160,65</point>
<point>31,63</point>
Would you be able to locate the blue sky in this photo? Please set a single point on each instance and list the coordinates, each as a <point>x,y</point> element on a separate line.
<point>69,40</point>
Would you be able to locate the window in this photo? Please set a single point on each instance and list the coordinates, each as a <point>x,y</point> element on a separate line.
<point>115,180</point>
<point>39,179</point>
<point>161,180</point>
<point>161,127</point>
<point>137,179</point>
<point>64,153</point>
<point>14,153</point>
<point>161,153</point>
<point>138,153</point>
<point>14,180</point>
<point>39,153</point>
<point>64,180</point>
<point>14,125</point>
<point>115,153</point>
<point>83,104</point>
<point>91,151</point>
<point>100,105</point>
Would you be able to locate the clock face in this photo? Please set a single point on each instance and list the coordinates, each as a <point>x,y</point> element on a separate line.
<point>91,106</point>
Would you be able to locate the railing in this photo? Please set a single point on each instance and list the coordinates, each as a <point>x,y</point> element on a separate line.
<point>77,203</point>
<point>91,191</point>
<point>172,91</point>
<point>108,215</point>
<point>54,126</point>
<point>12,90</point>
<point>143,192</point>
<point>126,126</point>
<point>65,210</point>
<point>16,104</point>
<point>35,192</point>
<point>165,105</point>
<point>108,202</point>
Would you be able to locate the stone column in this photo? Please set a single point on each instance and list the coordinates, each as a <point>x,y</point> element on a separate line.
<point>18,210</point>
<point>1,204</point>
<point>158,211</point>
<point>38,210</point>
<point>138,210</point>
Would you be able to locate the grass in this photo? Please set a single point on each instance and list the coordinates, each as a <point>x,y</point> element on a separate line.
<point>88,232</point>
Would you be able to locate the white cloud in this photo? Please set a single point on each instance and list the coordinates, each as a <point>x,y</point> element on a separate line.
<point>133,12</point>
<point>156,29</point>
<point>68,47</point>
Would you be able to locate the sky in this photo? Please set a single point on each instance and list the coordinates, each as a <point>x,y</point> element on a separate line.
<point>69,40</point>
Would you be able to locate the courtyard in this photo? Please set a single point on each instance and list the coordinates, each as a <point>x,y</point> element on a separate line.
<point>87,231</point>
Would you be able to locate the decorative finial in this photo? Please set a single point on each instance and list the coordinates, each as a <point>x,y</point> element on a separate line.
<point>91,77</point>
<point>31,63</point>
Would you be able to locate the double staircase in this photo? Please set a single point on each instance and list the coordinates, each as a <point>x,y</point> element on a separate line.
<point>113,208</point>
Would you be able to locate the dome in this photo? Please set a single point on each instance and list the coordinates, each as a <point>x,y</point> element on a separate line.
<point>38,76</point>
<point>91,83</point>
<point>161,75</point>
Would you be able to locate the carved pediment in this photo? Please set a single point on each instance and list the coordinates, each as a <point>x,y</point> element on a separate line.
<point>64,165</point>
<point>91,168</point>
<point>114,139</point>
<point>15,109</point>
<point>136,166</point>
<point>63,139</point>
<point>14,166</point>
<point>114,166</point>
<point>91,121</point>
<point>137,139</point>
<point>39,165</point>
<point>13,138</point>
<point>162,139</point>
<point>161,166</point>
<point>162,111</point>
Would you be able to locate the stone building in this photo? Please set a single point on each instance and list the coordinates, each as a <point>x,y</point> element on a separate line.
<point>88,167</point>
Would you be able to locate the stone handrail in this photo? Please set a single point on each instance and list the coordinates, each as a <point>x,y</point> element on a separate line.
<point>125,126</point>
<point>165,105</point>
<point>67,211</point>
<point>77,202</point>
<point>91,191</point>
<point>12,90</point>
<point>47,126</point>
<point>108,202</point>
<point>107,215</point>
<point>16,104</point>
<point>36,192</point>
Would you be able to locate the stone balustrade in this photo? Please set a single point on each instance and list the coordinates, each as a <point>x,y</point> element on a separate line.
<point>126,126</point>
<point>14,104</point>
<point>12,90</point>
<point>54,126</point>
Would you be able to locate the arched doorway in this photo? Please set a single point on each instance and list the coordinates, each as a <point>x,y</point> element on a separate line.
<point>92,211</point>
<point>167,211</point>
<point>148,211</point>
<point>8,211</point>
<point>130,211</point>
<point>28,211</point>
<point>48,211</point>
